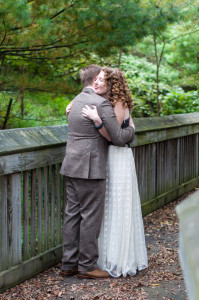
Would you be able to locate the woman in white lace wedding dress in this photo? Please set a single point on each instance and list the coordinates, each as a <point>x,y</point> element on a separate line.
<point>122,249</point>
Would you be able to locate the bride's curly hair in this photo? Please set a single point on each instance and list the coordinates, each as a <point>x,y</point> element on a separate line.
<point>118,89</point>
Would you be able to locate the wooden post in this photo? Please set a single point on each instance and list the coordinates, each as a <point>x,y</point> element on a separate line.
<point>33,212</point>
<point>3,224</point>
<point>58,205</point>
<point>14,218</point>
<point>40,202</point>
<point>25,215</point>
<point>46,208</point>
<point>52,209</point>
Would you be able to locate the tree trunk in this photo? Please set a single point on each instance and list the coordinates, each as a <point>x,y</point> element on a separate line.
<point>157,75</point>
<point>120,57</point>
<point>7,114</point>
<point>21,99</point>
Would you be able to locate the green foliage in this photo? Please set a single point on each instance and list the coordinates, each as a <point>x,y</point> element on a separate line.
<point>185,57</point>
<point>40,110</point>
<point>141,79</point>
<point>180,52</point>
<point>178,102</point>
<point>43,44</point>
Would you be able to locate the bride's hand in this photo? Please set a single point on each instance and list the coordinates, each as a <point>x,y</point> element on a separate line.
<point>90,113</point>
<point>131,123</point>
<point>69,107</point>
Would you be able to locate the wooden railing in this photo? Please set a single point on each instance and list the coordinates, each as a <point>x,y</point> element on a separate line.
<point>32,196</point>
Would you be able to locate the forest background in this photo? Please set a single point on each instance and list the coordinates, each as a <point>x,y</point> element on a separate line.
<point>44,44</point>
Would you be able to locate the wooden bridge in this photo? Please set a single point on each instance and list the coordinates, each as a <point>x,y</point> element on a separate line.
<point>32,196</point>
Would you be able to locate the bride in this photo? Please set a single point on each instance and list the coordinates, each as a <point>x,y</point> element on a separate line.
<point>122,249</point>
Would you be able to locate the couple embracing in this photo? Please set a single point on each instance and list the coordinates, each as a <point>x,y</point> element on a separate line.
<point>103,230</point>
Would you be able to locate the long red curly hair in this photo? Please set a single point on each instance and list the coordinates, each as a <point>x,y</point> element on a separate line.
<point>118,89</point>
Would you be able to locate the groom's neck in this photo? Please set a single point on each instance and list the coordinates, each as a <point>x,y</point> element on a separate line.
<point>90,87</point>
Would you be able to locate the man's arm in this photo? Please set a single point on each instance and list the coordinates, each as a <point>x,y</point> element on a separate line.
<point>119,136</point>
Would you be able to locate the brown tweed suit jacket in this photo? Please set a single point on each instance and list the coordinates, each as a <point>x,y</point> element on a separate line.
<point>86,150</point>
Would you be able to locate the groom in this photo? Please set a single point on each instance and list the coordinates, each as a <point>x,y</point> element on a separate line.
<point>84,166</point>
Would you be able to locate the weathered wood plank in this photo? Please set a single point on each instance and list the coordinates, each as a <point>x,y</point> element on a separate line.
<point>197,155</point>
<point>52,215</point>
<point>177,163</point>
<point>153,172</point>
<point>148,130</point>
<point>149,137</point>
<point>137,156</point>
<point>167,197</point>
<point>46,208</point>
<point>31,160</point>
<point>40,206</point>
<point>3,224</point>
<point>59,197</point>
<point>29,268</point>
<point>33,212</point>
<point>14,219</point>
<point>25,215</point>
<point>28,139</point>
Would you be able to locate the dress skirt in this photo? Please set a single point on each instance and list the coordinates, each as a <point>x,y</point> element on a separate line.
<point>122,248</point>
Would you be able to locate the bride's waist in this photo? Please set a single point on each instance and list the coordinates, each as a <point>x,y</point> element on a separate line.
<point>126,145</point>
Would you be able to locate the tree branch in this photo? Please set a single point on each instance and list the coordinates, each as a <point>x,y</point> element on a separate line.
<point>4,33</point>
<point>15,51</point>
<point>61,11</point>
<point>184,34</point>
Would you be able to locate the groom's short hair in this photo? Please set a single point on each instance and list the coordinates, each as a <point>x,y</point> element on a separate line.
<point>88,74</point>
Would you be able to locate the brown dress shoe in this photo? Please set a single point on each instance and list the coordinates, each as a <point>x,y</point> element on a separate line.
<point>68,273</point>
<point>93,274</point>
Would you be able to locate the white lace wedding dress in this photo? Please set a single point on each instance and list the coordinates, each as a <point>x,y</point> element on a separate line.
<point>122,248</point>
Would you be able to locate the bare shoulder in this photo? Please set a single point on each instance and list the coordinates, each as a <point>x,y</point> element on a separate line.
<point>120,110</point>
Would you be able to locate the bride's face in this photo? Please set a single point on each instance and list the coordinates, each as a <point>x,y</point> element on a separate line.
<point>101,87</point>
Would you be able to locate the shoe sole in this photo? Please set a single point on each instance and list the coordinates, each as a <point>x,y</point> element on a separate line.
<point>67,275</point>
<point>81,276</point>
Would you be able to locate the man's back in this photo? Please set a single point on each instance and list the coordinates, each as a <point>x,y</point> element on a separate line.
<point>80,127</point>
<point>86,150</point>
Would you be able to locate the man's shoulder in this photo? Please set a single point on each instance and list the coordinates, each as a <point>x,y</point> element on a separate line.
<point>90,94</point>
<point>103,102</point>
<point>102,99</point>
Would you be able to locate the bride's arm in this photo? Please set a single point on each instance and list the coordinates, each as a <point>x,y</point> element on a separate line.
<point>69,107</point>
<point>92,114</point>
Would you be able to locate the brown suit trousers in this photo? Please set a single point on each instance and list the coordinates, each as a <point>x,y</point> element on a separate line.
<point>82,223</point>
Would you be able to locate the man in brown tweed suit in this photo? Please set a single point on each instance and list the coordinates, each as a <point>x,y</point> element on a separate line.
<point>84,166</point>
